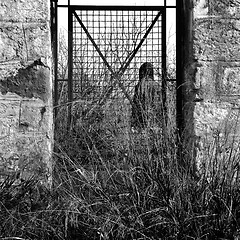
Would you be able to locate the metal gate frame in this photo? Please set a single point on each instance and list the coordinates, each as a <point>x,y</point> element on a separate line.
<point>179,54</point>
<point>116,75</point>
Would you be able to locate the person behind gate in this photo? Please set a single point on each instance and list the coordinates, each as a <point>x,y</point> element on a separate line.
<point>146,109</point>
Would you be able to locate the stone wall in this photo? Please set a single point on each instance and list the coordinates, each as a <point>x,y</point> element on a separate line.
<point>216,84</point>
<point>26,128</point>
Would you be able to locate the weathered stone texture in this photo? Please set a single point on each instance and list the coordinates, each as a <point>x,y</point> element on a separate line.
<point>205,8</point>
<point>216,32</point>
<point>218,81</point>
<point>23,41</point>
<point>26,127</point>
<point>210,118</point>
<point>216,39</point>
<point>24,11</point>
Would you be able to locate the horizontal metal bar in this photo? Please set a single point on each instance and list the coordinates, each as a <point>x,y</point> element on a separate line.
<point>117,7</point>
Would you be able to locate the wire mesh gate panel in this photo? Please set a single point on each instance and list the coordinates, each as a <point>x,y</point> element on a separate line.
<point>110,43</point>
<point>107,46</point>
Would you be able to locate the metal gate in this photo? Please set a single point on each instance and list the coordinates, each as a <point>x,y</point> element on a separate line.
<point>106,47</point>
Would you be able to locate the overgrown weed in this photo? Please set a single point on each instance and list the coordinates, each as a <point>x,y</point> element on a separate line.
<point>123,185</point>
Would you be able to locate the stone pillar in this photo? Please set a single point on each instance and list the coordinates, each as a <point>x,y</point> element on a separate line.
<point>26,119</point>
<point>216,85</point>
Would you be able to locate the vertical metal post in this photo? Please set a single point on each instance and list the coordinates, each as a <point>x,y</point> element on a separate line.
<point>180,31</point>
<point>70,65</point>
<point>54,26</point>
<point>164,64</point>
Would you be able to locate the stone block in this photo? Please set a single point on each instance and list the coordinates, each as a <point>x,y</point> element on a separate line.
<point>8,148</point>
<point>6,127</point>
<point>217,120</point>
<point>28,154</point>
<point>24,11</point>
<point>205,8</point>
<point>218,81</point>
<point>201,8</point>
<point>230,84</point>
<point>205,80</point>
<point>231,125</point>
<point>224,8</point>
<point>216,39</point>
<point>25,137</point>
<point>9,68</point>
<point>24,41</point>
<point>9,108</point>
<point>209,117</point>
<point>9,117</point>
<point>34,116</point>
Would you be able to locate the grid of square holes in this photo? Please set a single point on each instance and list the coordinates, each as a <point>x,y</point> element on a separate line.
<point>117,34</point>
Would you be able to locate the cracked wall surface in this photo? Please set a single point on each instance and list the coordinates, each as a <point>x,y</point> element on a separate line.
<point>26,127</point>
<point>216,32</point>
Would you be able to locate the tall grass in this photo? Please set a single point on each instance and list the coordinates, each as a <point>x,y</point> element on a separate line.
<point>112,183</point>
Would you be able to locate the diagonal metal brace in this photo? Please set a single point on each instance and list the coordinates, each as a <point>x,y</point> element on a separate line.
<point>132,55</point>
<point>115,75</point>
<point>123,68</point>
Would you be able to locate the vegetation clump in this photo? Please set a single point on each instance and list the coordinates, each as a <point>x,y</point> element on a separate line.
<point>124,189</point>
